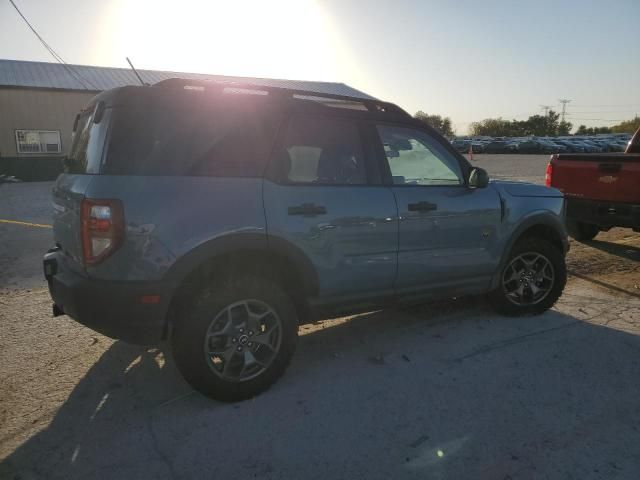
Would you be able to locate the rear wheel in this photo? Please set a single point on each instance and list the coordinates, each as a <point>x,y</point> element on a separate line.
<point>236,338</point>
<point>532,279</point>
<point>581,231</point>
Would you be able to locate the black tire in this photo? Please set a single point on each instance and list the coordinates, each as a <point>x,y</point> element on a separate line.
<point>190,333</point>
<point>499,297</point>
<point>581,231</point>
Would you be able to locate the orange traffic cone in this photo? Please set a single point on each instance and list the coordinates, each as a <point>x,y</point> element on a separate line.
<point>471,151</point>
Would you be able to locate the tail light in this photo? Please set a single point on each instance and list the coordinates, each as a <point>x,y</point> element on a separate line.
<point>102,229</point>
<point>548,175</point>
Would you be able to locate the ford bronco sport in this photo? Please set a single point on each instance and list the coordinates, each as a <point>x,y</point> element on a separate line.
<point>220,216</point>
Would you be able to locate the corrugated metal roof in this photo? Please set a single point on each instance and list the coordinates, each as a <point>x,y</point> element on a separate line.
<point>17,73</point>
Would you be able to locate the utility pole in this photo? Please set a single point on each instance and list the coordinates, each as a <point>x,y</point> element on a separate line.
<point>564,102</point>
<point>546,109</point>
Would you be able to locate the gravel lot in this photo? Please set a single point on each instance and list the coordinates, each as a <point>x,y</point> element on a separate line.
<point>445,391</point>
<point>525,168</point>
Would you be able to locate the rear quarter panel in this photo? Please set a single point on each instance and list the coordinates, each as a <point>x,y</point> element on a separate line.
<point>167,217</point>
<point>66,197</point>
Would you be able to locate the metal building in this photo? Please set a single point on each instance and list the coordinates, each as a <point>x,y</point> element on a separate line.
<point>39,102</point>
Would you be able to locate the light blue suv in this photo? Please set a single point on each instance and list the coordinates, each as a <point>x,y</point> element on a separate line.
<point>220,217</point>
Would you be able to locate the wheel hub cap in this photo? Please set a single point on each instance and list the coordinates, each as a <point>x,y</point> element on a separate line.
<point>528,279</point>
<point>243,340</point>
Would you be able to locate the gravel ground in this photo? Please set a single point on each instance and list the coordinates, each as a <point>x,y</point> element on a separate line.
<point>446,390</point>
<point>526,168</point>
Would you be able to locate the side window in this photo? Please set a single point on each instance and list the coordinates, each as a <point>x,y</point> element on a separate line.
<point>218,140</point>
<point>415,158</point>
<point>322,151</point>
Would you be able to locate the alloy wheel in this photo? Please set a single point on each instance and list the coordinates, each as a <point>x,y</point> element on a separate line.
<point>528,279</point>
<point>243,340</point>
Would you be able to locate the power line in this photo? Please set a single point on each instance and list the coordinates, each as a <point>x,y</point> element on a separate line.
<point>602,111</point>
<point>79,78</point>
<point>610,105</point>
<point>601,119</point>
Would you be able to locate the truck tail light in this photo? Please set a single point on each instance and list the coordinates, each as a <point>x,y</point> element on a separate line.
<point>102,229</point>
<point>548,175</point>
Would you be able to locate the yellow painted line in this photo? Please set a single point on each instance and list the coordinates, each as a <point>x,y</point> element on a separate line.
<point>26,224</point>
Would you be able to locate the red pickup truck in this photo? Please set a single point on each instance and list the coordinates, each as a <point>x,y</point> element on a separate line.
<point>601,190</point>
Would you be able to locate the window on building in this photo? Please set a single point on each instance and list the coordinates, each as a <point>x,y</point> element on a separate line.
<point>38,141</point>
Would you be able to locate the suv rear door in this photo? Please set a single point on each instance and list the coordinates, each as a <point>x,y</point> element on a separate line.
<point>447,231</point>
<point>325,198</point>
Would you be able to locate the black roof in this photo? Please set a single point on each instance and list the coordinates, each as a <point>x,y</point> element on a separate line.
<point>180,91</point>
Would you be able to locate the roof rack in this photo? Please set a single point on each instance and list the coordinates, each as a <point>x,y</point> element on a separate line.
<point>371,104</point>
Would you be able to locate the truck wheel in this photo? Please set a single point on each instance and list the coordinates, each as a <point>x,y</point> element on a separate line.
<point>583,232</point>
<point>235,338</point>
<point>532,279</point>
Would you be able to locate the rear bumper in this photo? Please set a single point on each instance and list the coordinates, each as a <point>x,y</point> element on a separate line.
<point>604,214</point>
<point>115,309</point>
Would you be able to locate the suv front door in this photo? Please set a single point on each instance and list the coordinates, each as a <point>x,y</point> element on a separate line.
<point>447,231</point>
<point>325,198</point>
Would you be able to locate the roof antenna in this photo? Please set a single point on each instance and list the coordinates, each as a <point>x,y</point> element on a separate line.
<point>136,72</point>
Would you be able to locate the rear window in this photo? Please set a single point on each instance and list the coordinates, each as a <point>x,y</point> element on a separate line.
<point>87,143</point>
<point>225,139</point>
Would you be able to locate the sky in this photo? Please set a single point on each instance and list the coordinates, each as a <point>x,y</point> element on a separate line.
<point>468,60</point>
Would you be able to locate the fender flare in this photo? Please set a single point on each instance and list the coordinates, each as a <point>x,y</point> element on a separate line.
<point>541,217</point>
<point>239,242</point>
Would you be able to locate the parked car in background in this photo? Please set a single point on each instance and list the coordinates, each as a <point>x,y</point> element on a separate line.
<point>588,147</point>
<point>552,147</point>
<point>530,146</point>
<point>478,146</point>
<point>461,145</point>
<point>500,146</point>
<point>572,147</point>
<point>602,190</point>
<point>604,144</point>
<point>616,145</point>
<point>544,145</point>
<point>595,148</point>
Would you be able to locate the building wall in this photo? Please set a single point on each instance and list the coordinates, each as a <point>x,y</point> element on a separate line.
<point>36,109</point>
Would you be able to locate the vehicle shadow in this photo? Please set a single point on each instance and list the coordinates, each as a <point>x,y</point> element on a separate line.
<point>417,393</point>
<point>603,284</point>
<point>628,252</point>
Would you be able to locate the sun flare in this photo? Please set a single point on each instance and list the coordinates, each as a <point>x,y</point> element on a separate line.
<point>277,39</point>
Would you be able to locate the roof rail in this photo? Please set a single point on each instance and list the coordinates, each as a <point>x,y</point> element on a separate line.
<point>371,104</point>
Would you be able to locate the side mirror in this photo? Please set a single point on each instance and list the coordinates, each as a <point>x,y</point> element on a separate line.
<point>478,178</point>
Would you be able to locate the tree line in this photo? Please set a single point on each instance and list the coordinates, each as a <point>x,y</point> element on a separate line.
<point>538,125</point>
<point>628,126</point>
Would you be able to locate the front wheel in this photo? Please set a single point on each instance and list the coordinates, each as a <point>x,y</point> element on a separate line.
<point>236,338</point>
<point>532,279</point>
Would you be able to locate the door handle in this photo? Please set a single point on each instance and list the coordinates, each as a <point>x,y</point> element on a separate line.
<point>308,210</point>
<point>422,207</point>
